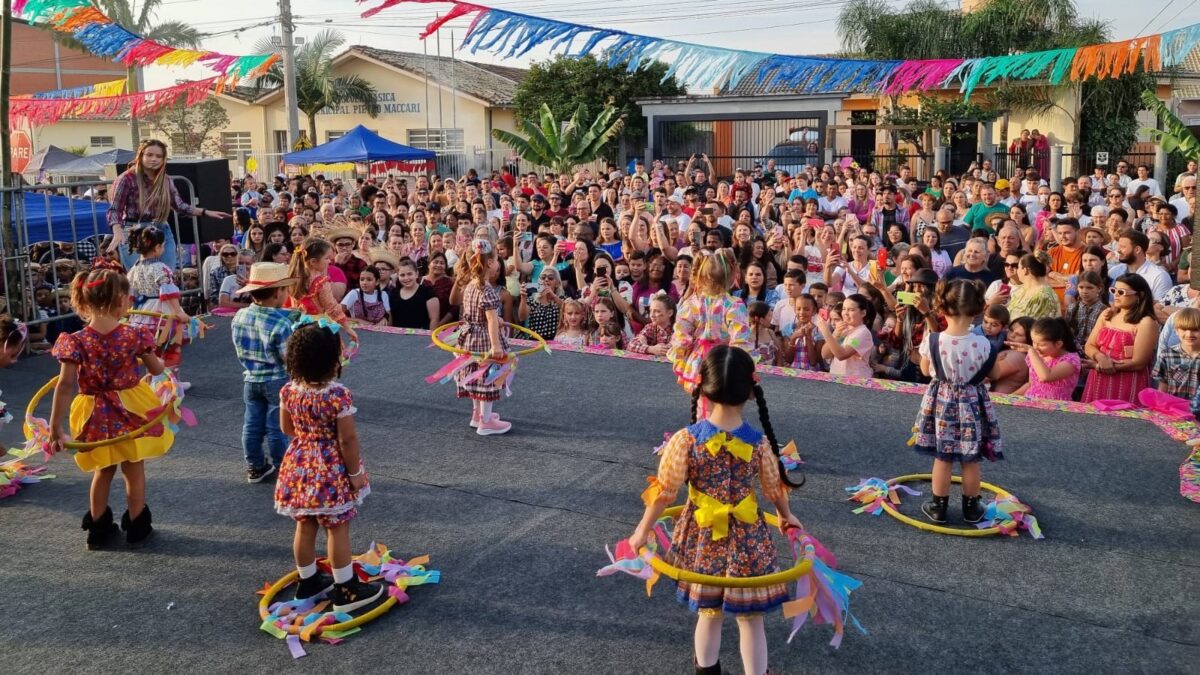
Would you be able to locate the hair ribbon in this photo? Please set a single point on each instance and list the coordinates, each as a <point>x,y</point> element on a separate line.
<point>322,321</point>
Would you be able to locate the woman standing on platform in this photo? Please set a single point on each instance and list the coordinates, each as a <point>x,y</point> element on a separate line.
<point>146,195</point>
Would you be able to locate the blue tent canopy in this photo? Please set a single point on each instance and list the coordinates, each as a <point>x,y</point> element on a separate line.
<point>93,165</point>
<point>43,212</point>
<point>359,145</point>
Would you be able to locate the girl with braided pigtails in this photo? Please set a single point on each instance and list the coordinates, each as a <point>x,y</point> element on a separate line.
<point>721,530</point>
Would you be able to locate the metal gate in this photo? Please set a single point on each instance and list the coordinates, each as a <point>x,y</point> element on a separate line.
<point>731,144</point>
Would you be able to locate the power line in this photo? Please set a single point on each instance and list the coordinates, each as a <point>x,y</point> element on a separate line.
<point>1160,12</point>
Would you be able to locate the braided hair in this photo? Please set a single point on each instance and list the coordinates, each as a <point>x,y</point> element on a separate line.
<point>727,377</point>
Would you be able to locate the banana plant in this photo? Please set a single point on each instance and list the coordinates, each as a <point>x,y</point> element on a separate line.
<point>1175,136</point>
<point>563,146</point>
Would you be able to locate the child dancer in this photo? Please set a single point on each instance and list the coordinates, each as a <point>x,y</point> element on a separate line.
<point>482,333</point>
<point>957,422</point>
<point>729,544</point>
<point>322,480</point>
<point>112,401</point>
<point>310,266</point>
<point>707,317</point>
<point>152,285</point>
<point>13,334</point>
<point>260,333</point>
<point>572,325</point>
<point>1053,360</point>
<point>804,344</point>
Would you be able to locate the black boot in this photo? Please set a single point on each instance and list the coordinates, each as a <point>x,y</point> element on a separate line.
<point>714,669</point>
<point>935,509</point>
<point>972,509</point>
<point>100,530</point>
<point>137,530</point>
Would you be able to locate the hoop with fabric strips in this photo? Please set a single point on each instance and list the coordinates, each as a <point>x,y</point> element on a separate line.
<point>942,529</point>
<point>155,421</point>
<point>803,566</point>
<point>450,327</point>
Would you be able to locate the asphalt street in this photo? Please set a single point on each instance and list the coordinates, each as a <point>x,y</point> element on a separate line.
<point>518,523</point>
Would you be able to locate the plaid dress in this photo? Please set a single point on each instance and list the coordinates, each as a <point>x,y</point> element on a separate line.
<point>747,550</point>
<point>957,422</point>
<point>476,302</point>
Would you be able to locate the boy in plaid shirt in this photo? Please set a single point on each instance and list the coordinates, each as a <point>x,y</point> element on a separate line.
<point>260,332</point>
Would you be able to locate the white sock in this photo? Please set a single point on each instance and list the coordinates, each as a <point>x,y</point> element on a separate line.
<point>753,644</point>
<point>343,574</point>
<point>485,411</point>
<point>308,570</point>
<point>708,640</point>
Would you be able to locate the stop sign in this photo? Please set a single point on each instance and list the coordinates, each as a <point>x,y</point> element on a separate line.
<point>21,149</point>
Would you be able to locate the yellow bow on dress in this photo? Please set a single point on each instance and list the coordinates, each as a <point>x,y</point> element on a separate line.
<point>731,444</point>
<point>713,513</point>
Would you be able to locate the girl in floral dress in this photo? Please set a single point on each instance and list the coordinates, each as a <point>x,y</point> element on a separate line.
<point>322,480</point>
<point>707,317</point>
<point>1122,344</point>
<point>312,295</point>
<point>719,457</point>
<point>482,333</point>
<point>152,285</point>
<point>113,400</point>
<point>957,422</point>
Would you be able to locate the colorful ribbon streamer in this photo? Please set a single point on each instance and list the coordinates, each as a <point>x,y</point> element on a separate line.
<point>42,111</point>
<point>110,88</point>
<point>512,34</point>
<point>872,492</point>
<point>103,37</point>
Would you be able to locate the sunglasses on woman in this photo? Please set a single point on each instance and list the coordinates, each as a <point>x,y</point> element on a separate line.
<point>1122,292</point>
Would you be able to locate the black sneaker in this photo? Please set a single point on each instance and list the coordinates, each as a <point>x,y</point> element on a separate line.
<point>935,509</point>
<point>318,584</point>
<point>259,474</point>
<point>354,594</point>
<point>972,510</point>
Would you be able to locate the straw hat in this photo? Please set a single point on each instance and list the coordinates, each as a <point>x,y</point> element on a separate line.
<point>265,275</point>
<point>379,254</point>
<point>338,228</point>
<point>1092,228</point>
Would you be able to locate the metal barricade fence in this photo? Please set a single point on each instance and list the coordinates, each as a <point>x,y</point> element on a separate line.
<point>66,247</point>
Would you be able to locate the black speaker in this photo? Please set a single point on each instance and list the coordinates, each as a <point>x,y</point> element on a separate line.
<point>207,182</point>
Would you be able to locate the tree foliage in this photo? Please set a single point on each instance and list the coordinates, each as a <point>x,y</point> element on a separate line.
<point>563,82</point>
<point>563,146</point>
<point>189,128</point>
<point>932,114</point>
<point>317,87</point>
<point>1175,136</point>
<point>929,29</point>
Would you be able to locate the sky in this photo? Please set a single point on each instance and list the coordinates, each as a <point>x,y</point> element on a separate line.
<point>784,26</point>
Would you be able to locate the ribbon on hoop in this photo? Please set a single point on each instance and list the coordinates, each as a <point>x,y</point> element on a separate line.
<point>15,471</point>
<point>872,492</point>
<point>823,594</point>
<point>1009,514</point>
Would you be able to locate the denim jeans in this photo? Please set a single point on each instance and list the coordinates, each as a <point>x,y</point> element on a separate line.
<point>262,421</point>
<point>170,255</point>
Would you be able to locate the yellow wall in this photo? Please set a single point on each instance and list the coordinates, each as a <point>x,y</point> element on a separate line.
<point>403,100</point>
<point>69,133</point>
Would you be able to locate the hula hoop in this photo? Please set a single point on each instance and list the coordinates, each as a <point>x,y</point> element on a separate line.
<point>288,579</point>
<point>437,340</point>
<point>156,315</point>
<point>80,445</point>
<point>942,529</point>
<point>803,566</point>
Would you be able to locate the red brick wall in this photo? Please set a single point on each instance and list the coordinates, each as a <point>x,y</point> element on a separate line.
<point>33,63</point>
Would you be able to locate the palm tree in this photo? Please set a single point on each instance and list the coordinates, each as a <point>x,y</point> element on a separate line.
<point>562,147</point>
<point>1175,136</point>
<point>141,21</point>
<point>316,86</point>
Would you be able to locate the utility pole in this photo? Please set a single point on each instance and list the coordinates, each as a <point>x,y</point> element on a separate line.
<point>286,27</point>
<point>12,272</point>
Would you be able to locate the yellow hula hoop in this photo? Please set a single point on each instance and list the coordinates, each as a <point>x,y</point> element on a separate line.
<point>437,340</point>
<point>803,566</point>
<point>157,315</point>
<point>288,579</point>
<point>942,529</point>
<point>80,445</point>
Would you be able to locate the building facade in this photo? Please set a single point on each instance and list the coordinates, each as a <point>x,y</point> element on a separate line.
<point>442,104</point>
